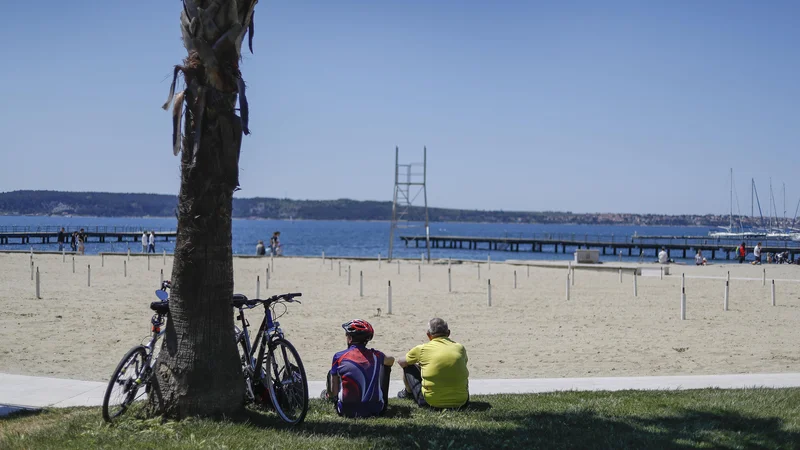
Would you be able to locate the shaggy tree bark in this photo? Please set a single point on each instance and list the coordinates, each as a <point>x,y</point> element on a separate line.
<point>198,372</point>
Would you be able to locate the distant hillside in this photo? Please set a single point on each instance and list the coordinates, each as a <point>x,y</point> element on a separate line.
<point>105,204</point>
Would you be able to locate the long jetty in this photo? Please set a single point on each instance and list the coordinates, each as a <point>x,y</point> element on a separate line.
<point>608,245</point>
<point>24,235</point>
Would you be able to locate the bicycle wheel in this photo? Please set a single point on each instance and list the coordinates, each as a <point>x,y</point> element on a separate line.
<point>125,383</point>
<point>288,385</point>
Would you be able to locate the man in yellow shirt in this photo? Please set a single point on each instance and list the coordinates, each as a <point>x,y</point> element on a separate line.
<point>435,373</point>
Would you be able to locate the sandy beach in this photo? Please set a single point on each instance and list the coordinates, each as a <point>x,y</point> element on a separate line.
<point>76,331</point>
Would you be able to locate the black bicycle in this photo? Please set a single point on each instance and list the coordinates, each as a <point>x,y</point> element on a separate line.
<point>136,368</point>
<point>274,375</point>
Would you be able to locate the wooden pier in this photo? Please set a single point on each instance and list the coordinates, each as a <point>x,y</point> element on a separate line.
<point>676,247</point>
<point>49,235</point>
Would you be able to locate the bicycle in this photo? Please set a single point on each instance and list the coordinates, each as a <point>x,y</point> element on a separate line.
<point>136,367</point>
<point>271,368</point>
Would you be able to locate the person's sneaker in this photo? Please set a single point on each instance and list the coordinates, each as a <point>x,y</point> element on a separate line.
<point>402,394</point>
<point>324,394</point>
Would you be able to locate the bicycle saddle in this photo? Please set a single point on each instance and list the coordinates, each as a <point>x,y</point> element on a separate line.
<point>160,307</point>
<point>239,300</point>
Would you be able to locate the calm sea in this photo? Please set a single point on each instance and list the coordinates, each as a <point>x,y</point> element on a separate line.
<point>345,238</point>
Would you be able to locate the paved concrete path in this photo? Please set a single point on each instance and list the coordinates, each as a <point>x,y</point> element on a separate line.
<point>20,391</point>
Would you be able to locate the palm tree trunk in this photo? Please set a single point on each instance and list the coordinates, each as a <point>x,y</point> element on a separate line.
<point>198,372</point>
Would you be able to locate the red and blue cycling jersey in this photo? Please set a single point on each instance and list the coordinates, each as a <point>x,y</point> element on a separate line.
<point>360,370</point>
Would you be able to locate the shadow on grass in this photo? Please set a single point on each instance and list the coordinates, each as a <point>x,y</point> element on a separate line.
<point>8,412</point>
<point>586,429</point>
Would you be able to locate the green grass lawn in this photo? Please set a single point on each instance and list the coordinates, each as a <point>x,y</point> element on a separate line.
<point>710,418</point>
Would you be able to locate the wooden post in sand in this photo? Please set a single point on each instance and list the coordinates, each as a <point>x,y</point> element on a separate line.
<point>340,268</point>
<point>148,262</point>
<point>164,257</point>
<point>73,264</point>
<point>129,253</point>
<point>379,260</point>
<point>361,283</point>
<point>479,271</point>
<point>419,273</point>
<point>449,281</point>
<point>725,299</point>
<point>31,270</point>
<point>272,262</point>
<point>398,267</point>
<point>661,276</point>
<point>515,279</point>
<point>489,292</point>
<point>63,255</point>
<point>489,263</point>
<point>529,271</point>
<point>422,258</point>
<point>269,274</point>
<point>763,277</point>
<point>389,297</point>
<point>161,278</point>
<point>38,293</point>
<point>323,258</point>
<point>620,275</point>
<point>567,285</point>
<point>266,279</point>
<point>331,264</point>
<point>773,292</point>
<point>348,275</point>
<point>635,285</point>
<point>683,296</point>
<point>125,268</point>
<point>89,275</point>
<point>102,260</point>
<point>258,286</point>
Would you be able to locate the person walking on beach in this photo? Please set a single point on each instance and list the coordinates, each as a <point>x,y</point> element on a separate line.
<point>144,241</point>
<point>151,243</point>
<point>275,243</point>
<point>358,381</point>
<point>742,252</point>
<point>74,242</point>
<point>260,249</point>
<point>81,241</point>
<point>435,373</point>
<point>757,254</point>
<point>62,236</point>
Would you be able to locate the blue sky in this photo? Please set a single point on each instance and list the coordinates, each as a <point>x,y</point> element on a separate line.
<point>619,106</point>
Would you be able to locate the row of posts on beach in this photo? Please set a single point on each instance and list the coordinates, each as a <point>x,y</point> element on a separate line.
<point>570,279</point>
<point>36,276</point>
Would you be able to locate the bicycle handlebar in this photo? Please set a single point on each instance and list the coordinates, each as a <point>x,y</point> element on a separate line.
<point>240,300</point>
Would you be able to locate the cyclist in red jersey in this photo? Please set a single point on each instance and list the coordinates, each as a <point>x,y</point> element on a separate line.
<point>359,377</point>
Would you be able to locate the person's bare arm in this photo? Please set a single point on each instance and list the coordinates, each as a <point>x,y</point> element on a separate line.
<point>388,360</point>
<point>401,361</point>
<point>336,383</point>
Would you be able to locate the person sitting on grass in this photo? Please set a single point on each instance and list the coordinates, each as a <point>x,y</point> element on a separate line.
<point>435,373</point>
<point>358,381</point>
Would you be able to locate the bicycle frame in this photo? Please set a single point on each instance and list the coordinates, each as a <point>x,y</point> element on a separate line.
<point>267,331</point>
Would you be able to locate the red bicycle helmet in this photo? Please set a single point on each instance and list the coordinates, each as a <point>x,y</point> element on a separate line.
<point>359,330</point>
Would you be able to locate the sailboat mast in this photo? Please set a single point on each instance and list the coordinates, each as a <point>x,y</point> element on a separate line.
<point>784,203</point>
<point>730,220</point>
<point>752,195</point>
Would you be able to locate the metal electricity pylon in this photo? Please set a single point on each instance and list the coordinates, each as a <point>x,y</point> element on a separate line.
<point>409,183</point>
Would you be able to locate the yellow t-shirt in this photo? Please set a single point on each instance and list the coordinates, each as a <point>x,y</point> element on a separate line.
<point>445,377</point>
